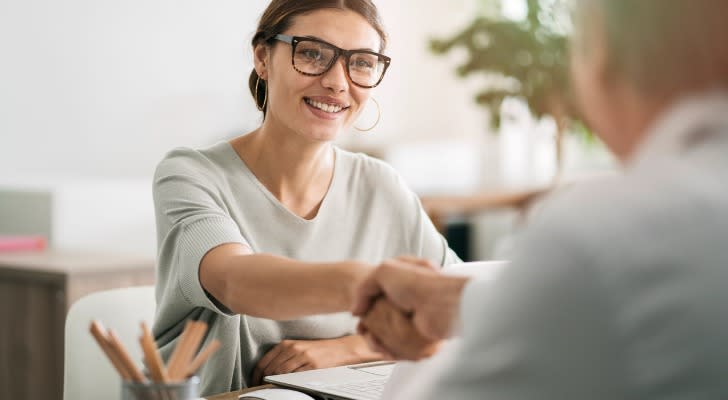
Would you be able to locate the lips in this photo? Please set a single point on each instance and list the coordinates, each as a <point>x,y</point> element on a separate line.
<point>328,105</point>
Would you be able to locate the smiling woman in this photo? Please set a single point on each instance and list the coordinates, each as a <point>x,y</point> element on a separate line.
<point>314,72</point>
<point>266,237</point>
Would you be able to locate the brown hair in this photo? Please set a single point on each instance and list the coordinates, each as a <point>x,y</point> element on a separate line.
<point>279,16</point>
<point>665,46</point>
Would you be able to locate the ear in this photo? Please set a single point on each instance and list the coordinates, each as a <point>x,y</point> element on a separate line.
<point>261,60</point>
<point>603,60</point>
<point>601,57</point>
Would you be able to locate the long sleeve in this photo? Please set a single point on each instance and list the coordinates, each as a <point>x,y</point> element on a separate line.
<point>191,220</point>
<point>535,332</point>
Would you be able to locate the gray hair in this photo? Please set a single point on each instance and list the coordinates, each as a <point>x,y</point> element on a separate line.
<point>664,47</point>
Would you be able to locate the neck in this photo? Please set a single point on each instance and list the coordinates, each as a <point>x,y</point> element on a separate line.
<point>295,170</point>
<point>639,113</point>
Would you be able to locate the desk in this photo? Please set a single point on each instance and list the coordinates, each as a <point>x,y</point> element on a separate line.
<point>234,395</point>
<point>441,207</point>
<point>36,291</point>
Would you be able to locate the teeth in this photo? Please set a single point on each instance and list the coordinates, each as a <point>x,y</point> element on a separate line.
<point>329,108</point>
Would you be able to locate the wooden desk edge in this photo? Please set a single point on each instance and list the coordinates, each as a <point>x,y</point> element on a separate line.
<point>478,202</point>
<point>439,208</point>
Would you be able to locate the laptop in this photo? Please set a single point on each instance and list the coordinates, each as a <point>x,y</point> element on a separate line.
<point>351,382</point>
<point>368,381</point>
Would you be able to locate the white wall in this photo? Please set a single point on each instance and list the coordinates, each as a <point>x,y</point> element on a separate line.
<point>100,88</point>
<point>421,97</point>
<point>103,88</point>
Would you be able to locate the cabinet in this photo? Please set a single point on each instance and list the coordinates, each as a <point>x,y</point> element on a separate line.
<point>36,291</point>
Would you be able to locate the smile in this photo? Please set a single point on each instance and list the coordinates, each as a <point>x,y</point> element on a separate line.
<point>329,108</point>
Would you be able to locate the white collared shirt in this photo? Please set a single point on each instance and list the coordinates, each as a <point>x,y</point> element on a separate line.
<point>618,288</point>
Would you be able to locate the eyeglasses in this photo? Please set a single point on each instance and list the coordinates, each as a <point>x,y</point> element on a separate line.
<point>314,57</point>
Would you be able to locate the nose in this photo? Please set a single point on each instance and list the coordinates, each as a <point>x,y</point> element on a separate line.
<point>335,78</point>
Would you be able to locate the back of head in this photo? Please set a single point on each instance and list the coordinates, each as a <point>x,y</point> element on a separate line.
<point>279,16</point>
<point>665,47</point>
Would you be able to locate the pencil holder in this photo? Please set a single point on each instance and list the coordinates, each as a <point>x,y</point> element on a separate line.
<point>186,390</point>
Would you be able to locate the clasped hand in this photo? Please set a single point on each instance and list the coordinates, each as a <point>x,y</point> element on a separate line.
<point>407,308</point>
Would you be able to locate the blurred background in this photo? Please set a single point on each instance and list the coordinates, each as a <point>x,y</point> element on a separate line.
<point>475,115</point>
<point>95,92</point>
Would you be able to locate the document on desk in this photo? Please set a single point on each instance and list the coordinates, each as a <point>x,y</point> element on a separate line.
<point>480,270</point>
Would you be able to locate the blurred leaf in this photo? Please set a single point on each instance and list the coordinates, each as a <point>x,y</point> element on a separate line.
<point>533,52</point>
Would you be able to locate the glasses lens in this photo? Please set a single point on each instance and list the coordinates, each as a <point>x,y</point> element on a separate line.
<point>365,69</point>
<point>312,57</point>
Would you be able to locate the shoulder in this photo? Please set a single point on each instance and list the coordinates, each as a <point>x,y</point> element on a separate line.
<point>638,218</point>
<point>186,161</point>
<point>646,203</point>
<point>584,228</point>
<point>589,211</point>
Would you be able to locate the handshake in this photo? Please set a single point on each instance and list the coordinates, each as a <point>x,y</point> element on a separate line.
<point>407,307</point>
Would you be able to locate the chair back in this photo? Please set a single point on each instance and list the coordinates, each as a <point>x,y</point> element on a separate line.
<point>88,374</point>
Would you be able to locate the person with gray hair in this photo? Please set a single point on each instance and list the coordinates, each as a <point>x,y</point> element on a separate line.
<point>618,288</point>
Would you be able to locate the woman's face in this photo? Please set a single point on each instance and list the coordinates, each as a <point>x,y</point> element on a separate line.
<point>295,100</point>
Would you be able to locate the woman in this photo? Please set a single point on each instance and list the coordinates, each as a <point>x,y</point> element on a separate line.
<point>251,232</point>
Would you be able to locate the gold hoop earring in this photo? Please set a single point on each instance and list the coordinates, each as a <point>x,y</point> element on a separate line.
<point>379,116</point>
<point>265,95</point>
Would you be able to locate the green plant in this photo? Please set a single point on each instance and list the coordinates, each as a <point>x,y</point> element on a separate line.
<point>524,58</point>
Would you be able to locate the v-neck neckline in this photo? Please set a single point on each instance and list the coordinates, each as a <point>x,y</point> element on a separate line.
<point>273,199</point>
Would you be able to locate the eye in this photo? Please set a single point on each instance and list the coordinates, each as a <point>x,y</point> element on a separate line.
<point>363,63</point>
<point>310,54</point>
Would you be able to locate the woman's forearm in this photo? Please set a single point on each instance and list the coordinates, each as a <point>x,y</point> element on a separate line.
<point>268,286</point>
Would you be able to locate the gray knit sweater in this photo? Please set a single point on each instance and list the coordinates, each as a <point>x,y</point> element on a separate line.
<point>204,198</point>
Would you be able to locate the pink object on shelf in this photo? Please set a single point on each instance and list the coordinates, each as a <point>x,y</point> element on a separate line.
<point>22,243</point>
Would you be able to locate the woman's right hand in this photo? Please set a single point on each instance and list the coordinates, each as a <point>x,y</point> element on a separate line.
<point>410,287</point>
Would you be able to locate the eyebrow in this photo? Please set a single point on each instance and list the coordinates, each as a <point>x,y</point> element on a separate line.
<point>323,40</point>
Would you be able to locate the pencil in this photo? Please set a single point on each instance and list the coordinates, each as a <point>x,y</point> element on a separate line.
<point>151,354</point>
<point>194,346</point>
<point>188,349</point>
<point>124,357</point>
<point>177,353</point>
<point>99,333</point>
<point>202,357</point>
